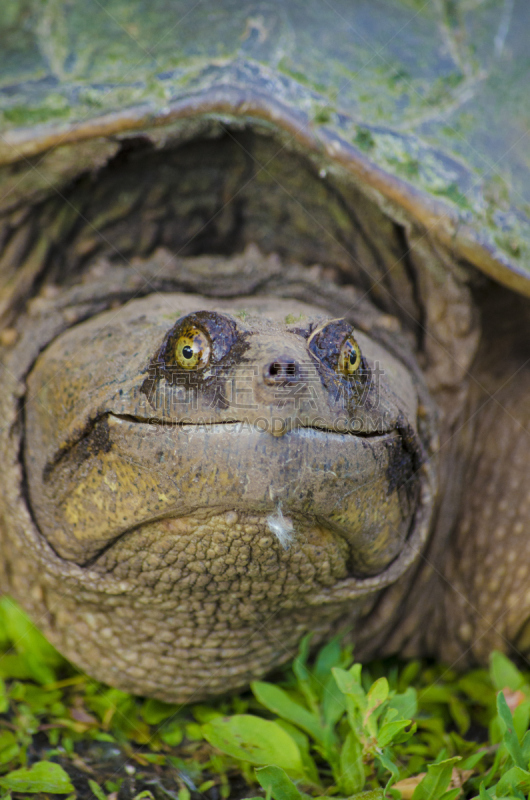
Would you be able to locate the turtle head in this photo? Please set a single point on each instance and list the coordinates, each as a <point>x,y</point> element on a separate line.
<point>265,410</point>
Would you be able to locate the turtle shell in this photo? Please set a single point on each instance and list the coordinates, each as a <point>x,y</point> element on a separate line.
<point>423,105</point>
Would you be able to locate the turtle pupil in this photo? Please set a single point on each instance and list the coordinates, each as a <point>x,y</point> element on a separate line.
<point>353,357</point>
<point>187,351</point>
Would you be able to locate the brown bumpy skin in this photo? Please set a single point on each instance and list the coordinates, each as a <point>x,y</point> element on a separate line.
<point>472,593</point>
<point>486,577</point>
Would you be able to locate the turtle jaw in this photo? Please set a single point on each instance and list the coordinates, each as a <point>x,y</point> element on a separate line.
<point>341,483</point>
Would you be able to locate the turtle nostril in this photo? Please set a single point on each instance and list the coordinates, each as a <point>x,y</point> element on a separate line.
<point>276,368</point>
<point>281,369</point>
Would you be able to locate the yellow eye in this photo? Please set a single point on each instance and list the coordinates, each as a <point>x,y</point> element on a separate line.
<point>349,357</point>
<point>193,349</point>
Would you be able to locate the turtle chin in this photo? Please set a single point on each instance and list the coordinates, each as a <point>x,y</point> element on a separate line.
<point>206,553</point>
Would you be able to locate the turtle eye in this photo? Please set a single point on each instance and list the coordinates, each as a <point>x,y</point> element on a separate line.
<point>197,341</point>
<point>193,349</point>
<point>349,357</point>
<point>335,345</point>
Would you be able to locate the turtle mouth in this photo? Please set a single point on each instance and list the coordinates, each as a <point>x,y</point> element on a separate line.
<point>130,474</point>
<point>274,425</point>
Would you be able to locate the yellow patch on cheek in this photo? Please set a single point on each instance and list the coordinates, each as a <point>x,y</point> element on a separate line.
<point>100,500</point>
<point>113,486</point>
<point>71,505</point>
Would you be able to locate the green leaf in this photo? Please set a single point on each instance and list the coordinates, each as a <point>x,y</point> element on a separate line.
<point>483,793</point>
<point>9,747</point>
<point>406,704</point>
<point>7,739</point>
<point>256,740</point>
<point>436,781</point>
<point>171,733</point>
<point>302,742</point>
<point>477,685</point>
<point>349,683</point>
<point>4,700</point>
<point>525,747</point>
<point>496,730</point>
<point>329,656</point>
<point>275,781</point>
<point>390,730</point>
<point>193,731</point>
<point>333,701</point>
<point>25,636</point>
<point>375,699</point>
<point>39,670</point>
<point>155,711</point>
<point>409,674</point>
<point>277,700</point>
<point>521,718</point>
<point>471,761</point>
<point>97,791</point>
<point>352,777</point>
<point>377,694</point>
<point>205,714</point>
<point>504,673</point>
<point>460,714</point>
<point>41,777</point>
<point>514,778</point>
<point>435,694</point>
<point>389,765</point>
<point>452,794</point>
<point>510,737</point>
<point>307,685</point>
<point>14,666</point>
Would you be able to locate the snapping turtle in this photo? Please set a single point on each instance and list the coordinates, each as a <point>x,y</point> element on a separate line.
<point>264,290</point>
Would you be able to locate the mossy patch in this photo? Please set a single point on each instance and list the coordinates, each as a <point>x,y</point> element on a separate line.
<point>25,116</point>
<point>453,193</point>
<point>364,139</point>
<point>323,115</point>
<point>290,319</point>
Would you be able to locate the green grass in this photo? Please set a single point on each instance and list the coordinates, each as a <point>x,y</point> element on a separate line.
<point>327,727</point>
